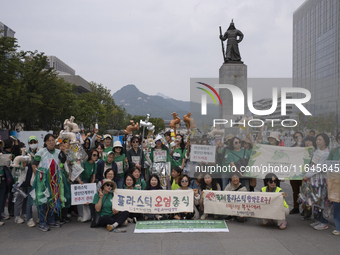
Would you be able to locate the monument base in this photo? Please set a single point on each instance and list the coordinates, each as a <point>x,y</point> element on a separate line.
<point>233,74</point>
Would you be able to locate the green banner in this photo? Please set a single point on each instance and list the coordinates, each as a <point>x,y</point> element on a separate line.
<point>168,226</point>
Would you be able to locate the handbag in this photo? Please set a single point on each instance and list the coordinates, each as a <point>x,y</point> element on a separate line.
<point>241,162</point>
<point>95,220</point>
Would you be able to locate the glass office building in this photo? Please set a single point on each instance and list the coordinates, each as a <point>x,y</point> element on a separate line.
<point>316,53</point>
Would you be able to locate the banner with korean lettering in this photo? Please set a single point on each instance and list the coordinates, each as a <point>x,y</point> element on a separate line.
<point>153,201</point>
<point>82,193</point>
<point>245,204</point>
<point>205,153</point>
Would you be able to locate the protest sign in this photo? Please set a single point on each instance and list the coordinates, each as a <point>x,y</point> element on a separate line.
<point>169,226</point>
<point>82,193</point>
<point>204,153</point>
<point>245,204</point>
<point>286,162</point>
<point>153,201</point>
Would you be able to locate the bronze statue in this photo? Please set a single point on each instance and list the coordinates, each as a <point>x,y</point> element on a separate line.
<point>234,37</point>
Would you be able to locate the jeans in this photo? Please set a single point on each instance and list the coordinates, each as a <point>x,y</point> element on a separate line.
<point>45,214</point>
<point>29,203</point>
<point>337,215</point>
<point>3,197</point>
<point>120,182</point>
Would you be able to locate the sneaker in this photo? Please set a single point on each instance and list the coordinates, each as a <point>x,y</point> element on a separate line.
<point>229,218</point>
<point>80,219</point>
<point>24,217</point>
<point>306,218</point>
<point>294,211</point>
<point>60,221</point>
<point>2,223</point>
<point>44,228</point>
<point>283,225</point>
<point>67,220</point>
<point>158,217</point>
<point>118,230</point>
<point>54,225</point>
<point>31,223</point>
<point>109,227</point>
<point>134,220</point>
<point>204,215</point>
<point>321,226</point>
<point>68,215</point>
<point>334,232</point>
<point>314,224</point>
<point>125,223</point>
<point>5,217</point>
<point>18,220</point>
<point>130,220</point>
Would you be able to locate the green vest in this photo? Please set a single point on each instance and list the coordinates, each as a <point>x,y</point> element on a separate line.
<point>174,186</point>
<point>277,190</point>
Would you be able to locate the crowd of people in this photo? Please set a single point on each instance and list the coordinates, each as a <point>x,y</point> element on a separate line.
<point>127,165</point>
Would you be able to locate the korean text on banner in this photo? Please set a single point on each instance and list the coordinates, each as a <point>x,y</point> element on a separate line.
<point>203,153</point>
<point>245,204</point>
<point>153,201</point>
<point>82,193</point>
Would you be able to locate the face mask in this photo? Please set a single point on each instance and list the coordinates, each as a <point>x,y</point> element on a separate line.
<point>33,146</point>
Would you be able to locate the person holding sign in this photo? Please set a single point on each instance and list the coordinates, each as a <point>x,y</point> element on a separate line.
<point>109,217</point>
<point>238,159</point>
<point>153,184</point>
<point>184,181</point>
<point>159,154</point>
<point>235,185</point>
<point>207,183</point>
<point>271,180</point>
<point>133,155</point>
<point>121,162</point>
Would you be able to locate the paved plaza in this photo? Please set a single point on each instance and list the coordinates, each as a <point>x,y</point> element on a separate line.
<point>243,238</point>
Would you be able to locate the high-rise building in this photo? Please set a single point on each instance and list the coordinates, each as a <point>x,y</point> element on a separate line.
<point>59,66</point>
<point>316,50</point>
<point>6,31</point>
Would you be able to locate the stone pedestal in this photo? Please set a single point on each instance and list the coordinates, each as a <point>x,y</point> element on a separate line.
<point>234,74</point>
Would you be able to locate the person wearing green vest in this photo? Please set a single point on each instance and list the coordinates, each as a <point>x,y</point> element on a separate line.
<point>178,152</point>
<point>176,173</point>
<point>110,217</point>
<point>271,180</point>
<point>121,162</point>
<point>107,145</point>
<point>140,183</point>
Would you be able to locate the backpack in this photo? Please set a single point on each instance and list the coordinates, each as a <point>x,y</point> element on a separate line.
<point>242,161</point>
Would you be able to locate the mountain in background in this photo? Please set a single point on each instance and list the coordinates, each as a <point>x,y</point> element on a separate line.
<point>136,102</point>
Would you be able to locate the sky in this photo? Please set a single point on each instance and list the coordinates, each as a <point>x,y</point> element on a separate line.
<point>156,45</point>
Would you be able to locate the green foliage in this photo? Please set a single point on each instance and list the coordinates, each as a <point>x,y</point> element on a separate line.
<point>34,97</point>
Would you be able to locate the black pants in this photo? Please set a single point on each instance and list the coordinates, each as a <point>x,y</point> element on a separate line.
<point>120,218</point>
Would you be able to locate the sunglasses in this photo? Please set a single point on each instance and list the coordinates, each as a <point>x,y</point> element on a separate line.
<point>184,180</point>
<point>95,155</point>
<point>109,185</point>
<point>272,181</point>
<point>135,142</point>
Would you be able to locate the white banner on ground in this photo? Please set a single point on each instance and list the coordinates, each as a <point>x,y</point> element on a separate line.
<point>204,153</point>
<point>153,201</point>
<point>245,204</point>
<point>82,193</point>
<point>285,162</point>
